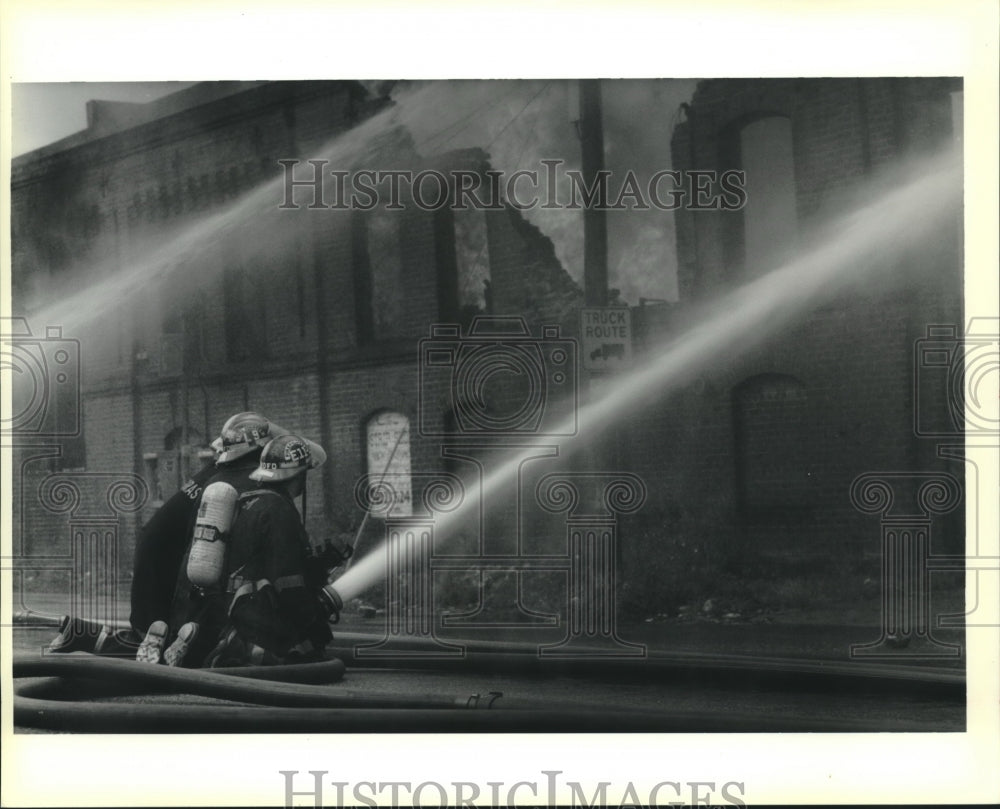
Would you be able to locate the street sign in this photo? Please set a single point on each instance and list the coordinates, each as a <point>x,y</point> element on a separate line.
<point>606,338</point>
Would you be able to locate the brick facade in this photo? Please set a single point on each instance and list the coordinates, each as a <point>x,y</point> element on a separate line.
<point>758,449</point>
<point>242,305</point>
<point>847,364</point>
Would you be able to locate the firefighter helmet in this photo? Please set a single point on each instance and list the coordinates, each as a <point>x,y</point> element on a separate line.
<point>287,456</point>
<point>242,434</point>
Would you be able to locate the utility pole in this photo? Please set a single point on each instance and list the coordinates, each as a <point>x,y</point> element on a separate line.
<point>600,453</point>
<point>595,230</point>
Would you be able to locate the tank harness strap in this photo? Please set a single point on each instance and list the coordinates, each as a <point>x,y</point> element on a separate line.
<point>285,582</point>
<point>258,493</point>
<point>240,588</point>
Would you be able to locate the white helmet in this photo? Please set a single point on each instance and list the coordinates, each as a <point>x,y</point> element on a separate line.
<point>287,456</point>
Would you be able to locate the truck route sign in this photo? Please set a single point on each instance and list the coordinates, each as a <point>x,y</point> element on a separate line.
<point>606,338</point>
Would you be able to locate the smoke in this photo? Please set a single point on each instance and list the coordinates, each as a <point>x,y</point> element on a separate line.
<point>522,123</point>
<point>642,256</point>
<point>519,123</point>
<point>176,258</point>
<point>853,251</point>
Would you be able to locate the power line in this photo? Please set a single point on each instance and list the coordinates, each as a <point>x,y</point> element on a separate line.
<point>519,114</point>
<point>484,106</point>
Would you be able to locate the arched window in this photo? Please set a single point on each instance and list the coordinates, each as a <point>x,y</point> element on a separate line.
<point>166,469</point>
<point>773,439</point>
<point>387,437</point>
<point>175,438</point>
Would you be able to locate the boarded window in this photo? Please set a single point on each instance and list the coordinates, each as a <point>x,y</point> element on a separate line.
<point>772,448</point>
<point>388,441</point>
<point>770,222</point>
<point>165,470</point>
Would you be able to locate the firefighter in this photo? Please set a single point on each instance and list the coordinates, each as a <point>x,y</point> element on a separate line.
<point>162,545</point>
<point>159,550</point>
<point>274,580</point>
<point>239,446</point>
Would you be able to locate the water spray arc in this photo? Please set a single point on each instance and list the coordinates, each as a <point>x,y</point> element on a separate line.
<point>253,222</point>
<point>368,511</point>
<point>857,246</point>
<point>858,242</point>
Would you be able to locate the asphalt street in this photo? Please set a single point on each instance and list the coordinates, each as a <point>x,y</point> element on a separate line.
<point>690,694</point>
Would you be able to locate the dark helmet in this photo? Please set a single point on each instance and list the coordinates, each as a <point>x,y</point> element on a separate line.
<point>285,457</point>
<point>242,434</point>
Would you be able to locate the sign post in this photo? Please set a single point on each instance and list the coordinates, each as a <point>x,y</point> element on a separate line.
<point>606,338</point>
<point>606,348</point>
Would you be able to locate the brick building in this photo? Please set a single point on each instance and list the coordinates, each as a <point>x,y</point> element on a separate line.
<point>314,316</point>
<point>760,451</point>
<point>309,316</point>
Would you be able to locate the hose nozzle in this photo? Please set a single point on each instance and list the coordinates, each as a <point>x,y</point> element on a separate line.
<point>331,601</point>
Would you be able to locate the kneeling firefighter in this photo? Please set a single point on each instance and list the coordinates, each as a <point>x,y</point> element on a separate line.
<point>159,552</point>
<point>239,446</point>
<point>272,608</point>
<point>162,546</point>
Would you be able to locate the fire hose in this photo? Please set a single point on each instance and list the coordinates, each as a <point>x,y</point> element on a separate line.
<point>496,657</point>
<point>259,705</point>
<point>65,692</point>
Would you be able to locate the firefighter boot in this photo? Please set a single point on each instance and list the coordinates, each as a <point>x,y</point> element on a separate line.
<point>76,635</point>
<point>117,642</point>
<point>151,648</point>
<point>177,651</point>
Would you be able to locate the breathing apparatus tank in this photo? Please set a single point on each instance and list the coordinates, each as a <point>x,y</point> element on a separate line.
<point>206,562</point>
